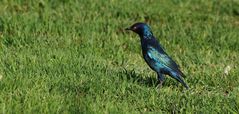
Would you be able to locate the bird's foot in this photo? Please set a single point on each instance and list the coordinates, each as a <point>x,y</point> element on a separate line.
<point>159,86</point>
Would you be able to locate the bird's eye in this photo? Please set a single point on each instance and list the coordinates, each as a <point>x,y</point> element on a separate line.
<point>135,28</point>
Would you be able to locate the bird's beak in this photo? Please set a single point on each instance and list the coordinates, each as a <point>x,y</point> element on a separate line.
<point>127,29</point>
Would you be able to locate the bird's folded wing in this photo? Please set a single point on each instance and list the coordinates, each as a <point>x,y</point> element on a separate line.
<point>162,58</point>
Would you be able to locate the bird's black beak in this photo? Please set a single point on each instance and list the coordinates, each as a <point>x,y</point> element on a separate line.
<point>127,29</point>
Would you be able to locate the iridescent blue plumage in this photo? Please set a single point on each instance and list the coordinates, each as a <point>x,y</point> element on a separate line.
<point>155,56</point>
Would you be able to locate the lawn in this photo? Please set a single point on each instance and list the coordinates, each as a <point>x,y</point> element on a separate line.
<point>74,56</point>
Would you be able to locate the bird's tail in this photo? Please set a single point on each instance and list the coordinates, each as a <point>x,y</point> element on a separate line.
<point>179,78</point>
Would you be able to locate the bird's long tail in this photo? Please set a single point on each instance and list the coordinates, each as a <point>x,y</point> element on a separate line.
<point>179,78</point>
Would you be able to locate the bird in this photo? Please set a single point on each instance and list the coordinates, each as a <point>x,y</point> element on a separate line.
<point>155,56</point>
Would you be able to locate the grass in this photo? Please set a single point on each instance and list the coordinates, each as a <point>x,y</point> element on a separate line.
<point>75,57</point>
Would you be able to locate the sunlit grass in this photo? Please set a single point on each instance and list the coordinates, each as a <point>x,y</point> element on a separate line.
<point>74,56</point>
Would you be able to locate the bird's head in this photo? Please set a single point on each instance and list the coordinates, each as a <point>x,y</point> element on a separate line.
<point>140,29</point>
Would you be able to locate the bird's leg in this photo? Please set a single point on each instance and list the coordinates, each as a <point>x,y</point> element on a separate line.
<point>160,80</point>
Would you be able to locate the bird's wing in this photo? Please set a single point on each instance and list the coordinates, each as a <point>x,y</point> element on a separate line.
<point>162,58</point>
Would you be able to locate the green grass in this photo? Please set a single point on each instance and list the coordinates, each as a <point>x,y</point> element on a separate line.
<point>70,56</point>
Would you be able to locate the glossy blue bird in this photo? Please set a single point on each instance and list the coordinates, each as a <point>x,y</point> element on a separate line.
<point>154,55</point>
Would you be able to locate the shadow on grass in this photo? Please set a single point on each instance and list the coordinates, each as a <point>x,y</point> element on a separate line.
<point>132,76</point>
<point>148,81</point>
